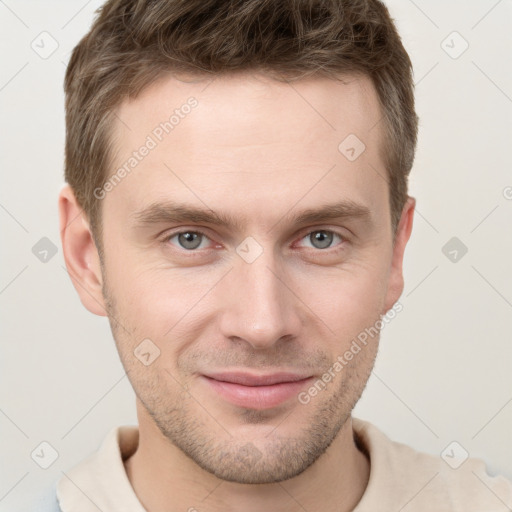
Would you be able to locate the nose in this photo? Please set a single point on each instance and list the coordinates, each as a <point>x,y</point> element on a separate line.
<point>259,306</point>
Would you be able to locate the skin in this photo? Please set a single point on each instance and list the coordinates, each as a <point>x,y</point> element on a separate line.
<point>262,152</point>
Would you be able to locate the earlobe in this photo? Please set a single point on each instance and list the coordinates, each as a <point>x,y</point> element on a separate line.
<point>80,252</point>
<point>403,233</point>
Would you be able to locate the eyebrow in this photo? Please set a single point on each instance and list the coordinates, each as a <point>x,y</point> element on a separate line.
<point>173,212</point>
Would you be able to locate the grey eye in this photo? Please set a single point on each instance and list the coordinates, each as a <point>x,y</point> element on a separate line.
<point>190,239</point>
<point>321,239</point>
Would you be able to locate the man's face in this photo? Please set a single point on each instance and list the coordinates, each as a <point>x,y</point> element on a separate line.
<point>263,294</point>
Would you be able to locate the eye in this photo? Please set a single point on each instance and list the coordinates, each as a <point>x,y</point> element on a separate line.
<point>322,239</point>
<point>188,240</point>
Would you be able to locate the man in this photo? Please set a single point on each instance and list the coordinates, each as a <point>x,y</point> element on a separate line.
<point>236,204</point>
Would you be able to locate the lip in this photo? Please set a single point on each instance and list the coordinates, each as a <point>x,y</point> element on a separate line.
<point>256,391</point>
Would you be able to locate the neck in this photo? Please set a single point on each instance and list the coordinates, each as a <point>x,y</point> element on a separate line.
<point>165,479</point>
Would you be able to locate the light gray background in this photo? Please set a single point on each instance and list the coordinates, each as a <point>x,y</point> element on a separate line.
<point>444,368</point>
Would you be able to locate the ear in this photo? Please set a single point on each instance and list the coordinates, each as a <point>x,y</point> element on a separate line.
<point>403,232</point>
<point>80,252</point>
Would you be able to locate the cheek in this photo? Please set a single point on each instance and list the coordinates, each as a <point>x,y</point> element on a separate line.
<point>165,305</point>
<point>346,300</point>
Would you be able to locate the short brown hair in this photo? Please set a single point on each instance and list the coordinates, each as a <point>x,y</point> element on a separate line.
<point>133,42</point>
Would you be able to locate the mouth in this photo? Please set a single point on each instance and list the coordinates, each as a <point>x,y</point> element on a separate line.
<point>256,391</point>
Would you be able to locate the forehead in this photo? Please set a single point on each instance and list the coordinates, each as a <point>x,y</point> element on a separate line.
<point>267,140</point>
<point>245,108</point>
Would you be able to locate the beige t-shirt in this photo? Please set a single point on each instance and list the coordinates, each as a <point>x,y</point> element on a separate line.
<point>401,479</point>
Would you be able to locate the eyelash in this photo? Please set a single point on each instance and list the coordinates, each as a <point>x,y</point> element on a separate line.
<point>193,252</point>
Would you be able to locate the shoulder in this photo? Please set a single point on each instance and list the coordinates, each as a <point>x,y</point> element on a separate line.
<point>405,477</point>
